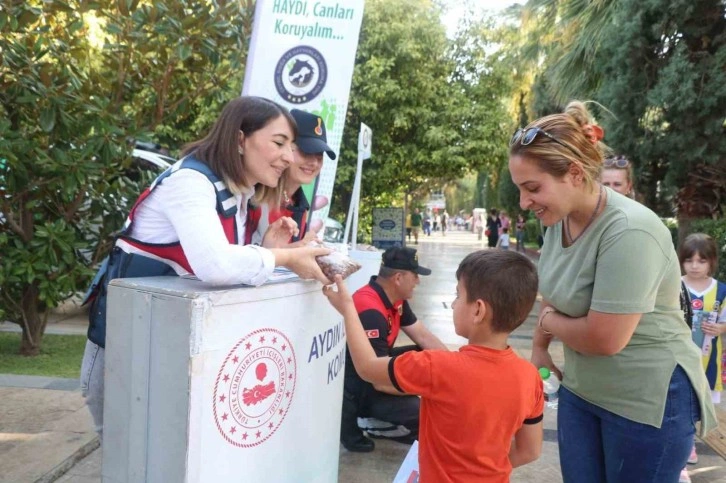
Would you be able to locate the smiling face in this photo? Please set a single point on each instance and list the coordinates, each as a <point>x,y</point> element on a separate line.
<point>268,152</point>
<point>550,198</point>
<point>305,168</point>
<point>616,179</point>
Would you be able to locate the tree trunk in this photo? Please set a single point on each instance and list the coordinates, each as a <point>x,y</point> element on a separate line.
<point>33,323</point>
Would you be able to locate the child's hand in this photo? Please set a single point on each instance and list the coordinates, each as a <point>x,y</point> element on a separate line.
<point>713,330</point>
<point>340,299</point>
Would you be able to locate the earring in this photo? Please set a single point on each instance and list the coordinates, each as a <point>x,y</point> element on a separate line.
<point>241,151</point>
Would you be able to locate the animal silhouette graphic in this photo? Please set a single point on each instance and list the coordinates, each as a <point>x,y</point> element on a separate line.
<point>301,73</point>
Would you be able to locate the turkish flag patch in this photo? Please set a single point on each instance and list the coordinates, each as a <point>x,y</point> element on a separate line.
<point>373,334</point>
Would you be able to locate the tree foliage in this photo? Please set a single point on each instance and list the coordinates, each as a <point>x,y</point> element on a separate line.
<point>77,81</point>
<point>657,66</point>
<point>432,103</point>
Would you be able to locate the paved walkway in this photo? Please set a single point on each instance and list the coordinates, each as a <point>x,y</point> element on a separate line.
<point>46,433</point>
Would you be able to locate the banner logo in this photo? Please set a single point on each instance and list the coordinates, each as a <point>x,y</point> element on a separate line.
<point>300,74</point>
<point>254,388</point>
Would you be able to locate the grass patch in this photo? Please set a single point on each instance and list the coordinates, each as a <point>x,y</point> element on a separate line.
<point>60,356</point>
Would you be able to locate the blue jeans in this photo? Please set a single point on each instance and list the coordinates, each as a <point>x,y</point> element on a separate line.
<point>597,446</point>
<point>92,382</point>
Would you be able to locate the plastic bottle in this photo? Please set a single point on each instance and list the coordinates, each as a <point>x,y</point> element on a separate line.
<point>712,319</point>
<point>551,387</point>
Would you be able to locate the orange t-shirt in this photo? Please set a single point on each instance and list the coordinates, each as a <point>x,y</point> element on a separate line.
<point>472,403</point>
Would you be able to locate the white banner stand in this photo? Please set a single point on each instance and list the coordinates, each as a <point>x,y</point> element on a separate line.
<point>365,141</point>
<point>224,384</point>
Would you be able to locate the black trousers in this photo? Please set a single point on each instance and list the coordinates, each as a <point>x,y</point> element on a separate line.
<point>360,399</point>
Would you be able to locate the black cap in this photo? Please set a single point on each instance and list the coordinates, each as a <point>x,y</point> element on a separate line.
<point>403,259</point>
<point>311,133</point>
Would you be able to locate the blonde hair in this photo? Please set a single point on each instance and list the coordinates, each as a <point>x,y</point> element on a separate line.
<point>568,128</point>
<point>271,196</point>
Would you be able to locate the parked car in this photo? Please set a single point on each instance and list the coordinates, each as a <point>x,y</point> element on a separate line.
<point>333,231</point>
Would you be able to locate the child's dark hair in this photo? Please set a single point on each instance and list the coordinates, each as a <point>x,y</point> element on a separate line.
<point>505,230</point>
<point>702,244</point>
<point>506,281</point>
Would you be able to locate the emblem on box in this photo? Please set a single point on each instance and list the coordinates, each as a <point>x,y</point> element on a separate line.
<point>254,388</point>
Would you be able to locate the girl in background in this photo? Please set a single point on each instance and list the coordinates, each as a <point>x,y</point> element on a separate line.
<point>698,255</point>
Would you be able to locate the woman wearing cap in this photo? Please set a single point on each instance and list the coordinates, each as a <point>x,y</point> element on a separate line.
<point>311,143</point>
<point>633,387</point>
<point>192,221</point>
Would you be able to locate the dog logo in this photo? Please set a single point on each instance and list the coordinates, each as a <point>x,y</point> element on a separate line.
<point>254,388</point>
<point>300,75</point>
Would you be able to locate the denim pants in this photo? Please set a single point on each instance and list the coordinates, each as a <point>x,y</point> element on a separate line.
<point>597,446</point>
<point>92,382</point>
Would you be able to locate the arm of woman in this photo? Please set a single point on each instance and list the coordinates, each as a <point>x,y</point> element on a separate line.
<point>597,334</point>
<point>620,294</point>
<point>188,200</point>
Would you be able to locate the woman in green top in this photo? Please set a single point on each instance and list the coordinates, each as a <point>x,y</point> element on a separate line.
<point>633,387</point>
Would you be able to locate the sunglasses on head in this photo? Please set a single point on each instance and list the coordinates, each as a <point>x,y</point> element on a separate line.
<point>617,162</point>
<point>526,136</point>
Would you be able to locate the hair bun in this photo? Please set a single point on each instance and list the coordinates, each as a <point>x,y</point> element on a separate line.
<point>578,111</point>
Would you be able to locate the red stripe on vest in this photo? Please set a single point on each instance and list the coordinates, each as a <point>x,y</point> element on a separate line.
<point>174,251</point>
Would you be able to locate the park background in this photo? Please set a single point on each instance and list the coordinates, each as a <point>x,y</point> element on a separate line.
<point>442,84</point>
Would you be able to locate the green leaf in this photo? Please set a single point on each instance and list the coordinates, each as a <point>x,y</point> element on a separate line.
<point>47,119</point>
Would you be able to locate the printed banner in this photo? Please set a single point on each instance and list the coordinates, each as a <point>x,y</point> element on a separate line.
<point>388,227</point>
<point>302,55</point>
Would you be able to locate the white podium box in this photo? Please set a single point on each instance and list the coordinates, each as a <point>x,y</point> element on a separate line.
<point>233,384</point>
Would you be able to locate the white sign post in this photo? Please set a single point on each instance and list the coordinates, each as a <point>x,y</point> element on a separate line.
<point>302,56</point>
<point>365,141</point>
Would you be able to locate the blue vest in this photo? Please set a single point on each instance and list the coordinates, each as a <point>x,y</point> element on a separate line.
<point>120,264</point>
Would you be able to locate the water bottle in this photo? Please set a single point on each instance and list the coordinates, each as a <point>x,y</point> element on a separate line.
<point>551,387</point>
<point>712,319</point>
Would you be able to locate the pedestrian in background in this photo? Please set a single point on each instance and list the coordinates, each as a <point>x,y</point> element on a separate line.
<point>632,375</point>
<point>416,221</point>
<point>698,255</point>
<point>520,227</point>
<point>617,174</point>
<point>493,224</point>
<point>503,241</point>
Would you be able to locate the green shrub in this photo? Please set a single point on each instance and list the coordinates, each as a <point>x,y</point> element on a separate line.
<point>531,230</point>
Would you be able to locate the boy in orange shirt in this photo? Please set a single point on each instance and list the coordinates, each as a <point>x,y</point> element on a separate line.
<point>481,407</point>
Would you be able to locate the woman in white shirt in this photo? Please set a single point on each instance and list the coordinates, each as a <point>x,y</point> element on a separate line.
<point>191,221</point>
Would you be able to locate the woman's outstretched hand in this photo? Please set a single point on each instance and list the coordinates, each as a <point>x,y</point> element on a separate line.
<point>302,261</point>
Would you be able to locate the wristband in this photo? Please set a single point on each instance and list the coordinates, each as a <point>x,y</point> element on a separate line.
<point>541,319</point>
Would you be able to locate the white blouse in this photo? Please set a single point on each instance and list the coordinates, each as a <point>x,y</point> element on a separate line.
<point>183,208</point>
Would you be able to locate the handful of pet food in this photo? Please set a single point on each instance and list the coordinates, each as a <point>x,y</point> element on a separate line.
<point>336,262</point>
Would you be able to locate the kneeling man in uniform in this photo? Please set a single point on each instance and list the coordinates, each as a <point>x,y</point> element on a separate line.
<point>381,411</point>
